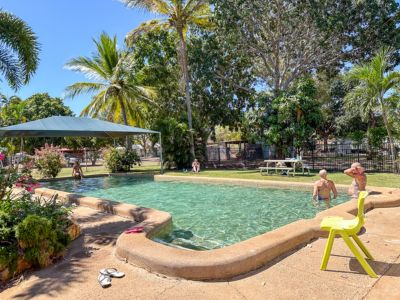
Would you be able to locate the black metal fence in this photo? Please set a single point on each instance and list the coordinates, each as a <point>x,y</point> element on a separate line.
<point>337,157</point>
<point>249,152</point>
<point>330,156</point>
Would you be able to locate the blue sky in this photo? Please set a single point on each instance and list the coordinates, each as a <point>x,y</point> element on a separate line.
<point>65,29</point>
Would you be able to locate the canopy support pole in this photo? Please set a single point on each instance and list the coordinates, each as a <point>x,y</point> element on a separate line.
<point>85,153</point>
<point>161,156</point>
<point>21,148</point>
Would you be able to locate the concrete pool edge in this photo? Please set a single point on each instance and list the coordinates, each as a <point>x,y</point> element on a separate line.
<point>222,263</point>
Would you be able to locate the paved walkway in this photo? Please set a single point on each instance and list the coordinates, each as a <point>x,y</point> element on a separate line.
<point>296,276</point>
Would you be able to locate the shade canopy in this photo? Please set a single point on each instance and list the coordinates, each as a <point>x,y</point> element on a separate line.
<point>71,126</point>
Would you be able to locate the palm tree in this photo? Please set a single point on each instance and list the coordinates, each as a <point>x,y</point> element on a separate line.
<point>117,95</point>
<point>19,50</point>
<point>375,83</point>
<point>178,15</point>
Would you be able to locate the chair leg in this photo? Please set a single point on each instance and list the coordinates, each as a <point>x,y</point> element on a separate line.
<point>328,249</point>
<point>362,246</point>
<point>358,255</point>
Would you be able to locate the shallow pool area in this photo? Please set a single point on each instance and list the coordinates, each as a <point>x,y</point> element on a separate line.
<point>205,216</point>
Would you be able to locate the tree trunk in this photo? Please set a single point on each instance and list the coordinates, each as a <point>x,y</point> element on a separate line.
<point>186,81</point>
<point>125,119</point>
<point>389,132</point>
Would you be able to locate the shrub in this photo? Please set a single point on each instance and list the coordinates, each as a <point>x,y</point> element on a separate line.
<point>49,161</point>
<point>175,141</point>
<point>33,228</point>
<point>119,160</point>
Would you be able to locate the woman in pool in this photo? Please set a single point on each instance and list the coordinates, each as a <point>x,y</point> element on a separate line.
<point>196,166</point>
<point>77,172</point>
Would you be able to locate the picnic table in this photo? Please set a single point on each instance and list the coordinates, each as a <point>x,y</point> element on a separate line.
<point>281,164</point>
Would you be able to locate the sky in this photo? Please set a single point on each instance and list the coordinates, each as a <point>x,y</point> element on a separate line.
<point>65,29</point>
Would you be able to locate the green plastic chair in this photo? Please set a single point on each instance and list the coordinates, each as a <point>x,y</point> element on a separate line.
<point>347,229</point>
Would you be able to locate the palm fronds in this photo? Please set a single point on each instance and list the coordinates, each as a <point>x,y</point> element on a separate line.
<point>19,50</point>
<point>118,97</point>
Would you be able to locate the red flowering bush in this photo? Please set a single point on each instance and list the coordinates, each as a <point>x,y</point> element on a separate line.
<point>49,161</point>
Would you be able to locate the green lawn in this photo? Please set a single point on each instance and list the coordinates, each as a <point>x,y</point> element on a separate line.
<point>374,179</point>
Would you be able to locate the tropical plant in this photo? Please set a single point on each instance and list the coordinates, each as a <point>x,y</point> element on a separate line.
<point>374,82</point>
<point>294,117</point>
<point>33,230</point>
<point>118,94</point>
<point>49,161</point>
<point>119,160</point>
<point>19,50</point>
<point>179,16</point>
<point>175,141</point>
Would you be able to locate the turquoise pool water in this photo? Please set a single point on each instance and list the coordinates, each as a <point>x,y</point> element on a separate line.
<point>205,216</point>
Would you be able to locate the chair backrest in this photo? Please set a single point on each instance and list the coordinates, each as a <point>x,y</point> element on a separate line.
<point>360,214</point>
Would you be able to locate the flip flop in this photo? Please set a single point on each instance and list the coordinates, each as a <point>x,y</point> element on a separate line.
<point>104,280</point>
<point>112,272</point>
<point>137,229</point>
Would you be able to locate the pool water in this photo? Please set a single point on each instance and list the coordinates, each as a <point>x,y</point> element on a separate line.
<point>205,216</point>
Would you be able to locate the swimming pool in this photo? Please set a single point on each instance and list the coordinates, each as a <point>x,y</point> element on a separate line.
<point>205,216</point>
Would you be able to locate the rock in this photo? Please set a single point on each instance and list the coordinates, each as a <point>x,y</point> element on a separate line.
<point>5,275</point>
<point>22,265</point>
<point>74,230</point>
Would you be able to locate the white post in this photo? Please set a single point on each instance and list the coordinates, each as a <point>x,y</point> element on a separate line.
<point>84,149</point>
<point>161,156</point>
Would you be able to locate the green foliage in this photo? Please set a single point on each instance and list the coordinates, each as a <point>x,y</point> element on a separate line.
<point>19,50</point>
<point>361,27</point>
<point>377,136</point>
<point>294,116</point>
<point>49,161</point>
<point>118,95</point>
<point>374,82</point>
<point>36,236</point>
<point>38,106</point>
<point>8,257</point>
<point>32,228</point>
<point>175,141</point>
<point>119,160</point>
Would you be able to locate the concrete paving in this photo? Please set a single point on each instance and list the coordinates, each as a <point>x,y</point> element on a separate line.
<point>295,276</point>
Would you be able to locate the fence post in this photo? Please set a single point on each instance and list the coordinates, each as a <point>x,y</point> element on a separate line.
<point>358,153</point>
<point>312,158</point>
<point>219,155</point>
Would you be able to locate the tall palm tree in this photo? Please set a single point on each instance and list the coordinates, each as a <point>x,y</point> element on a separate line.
<point>178,15</point>
<point>117,95</point>
<point>374,84</point>
<point>19,50</point>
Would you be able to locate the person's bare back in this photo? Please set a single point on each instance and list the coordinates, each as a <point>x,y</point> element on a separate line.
<point>323,188</point>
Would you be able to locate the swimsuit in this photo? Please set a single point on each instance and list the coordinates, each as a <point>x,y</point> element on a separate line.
<point>355,189</point>
<point>320,198</point>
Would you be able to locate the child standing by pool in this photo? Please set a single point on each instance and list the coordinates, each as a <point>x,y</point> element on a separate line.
<point>323,188</point>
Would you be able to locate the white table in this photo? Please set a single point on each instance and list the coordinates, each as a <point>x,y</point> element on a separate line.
<point>292,168</point>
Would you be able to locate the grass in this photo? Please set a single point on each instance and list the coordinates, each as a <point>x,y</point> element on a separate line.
<point>374,179</point>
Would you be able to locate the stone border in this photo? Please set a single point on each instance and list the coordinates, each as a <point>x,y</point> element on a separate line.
<point>223,263</point>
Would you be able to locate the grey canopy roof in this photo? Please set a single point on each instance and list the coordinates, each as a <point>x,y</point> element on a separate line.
<point>71,126</point>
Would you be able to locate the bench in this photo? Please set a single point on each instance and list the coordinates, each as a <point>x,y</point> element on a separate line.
<point>287,169</point>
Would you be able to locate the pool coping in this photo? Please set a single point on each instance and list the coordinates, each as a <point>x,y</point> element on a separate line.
<point>224,263</point>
